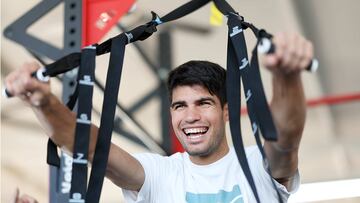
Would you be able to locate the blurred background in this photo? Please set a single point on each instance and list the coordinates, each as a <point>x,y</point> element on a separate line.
<point>329,155</point>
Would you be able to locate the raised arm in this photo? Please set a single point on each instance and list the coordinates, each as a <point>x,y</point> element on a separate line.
<point>59,124</point>
<point>293,54</point>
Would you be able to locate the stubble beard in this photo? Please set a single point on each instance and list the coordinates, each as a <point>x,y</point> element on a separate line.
<point>213,147</point>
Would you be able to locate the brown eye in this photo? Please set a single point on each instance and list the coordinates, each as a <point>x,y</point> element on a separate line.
<point>205,103</point>
<point>178,106</point>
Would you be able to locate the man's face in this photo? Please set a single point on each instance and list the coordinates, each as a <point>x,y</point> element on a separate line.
<point>198,120</point>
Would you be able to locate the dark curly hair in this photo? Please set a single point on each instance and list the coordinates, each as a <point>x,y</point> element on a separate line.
<point>207,74</point>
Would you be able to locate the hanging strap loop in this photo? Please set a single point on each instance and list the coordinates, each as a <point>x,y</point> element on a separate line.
<point>85,83</point>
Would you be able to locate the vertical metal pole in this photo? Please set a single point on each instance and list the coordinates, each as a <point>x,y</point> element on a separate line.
<point>165,64</point>
<point>60,178</point>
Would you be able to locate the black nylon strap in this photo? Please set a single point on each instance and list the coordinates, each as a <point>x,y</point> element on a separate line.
<point>258,111</point>
<point>184,10</point>
<point>224,7</point>
<point>233,93</point>
<point>52,157</point>
<point>107,119</point>
<point>253,86</point>
<point>63,65</point>
<point>83,125</point>
<point>254,118</point>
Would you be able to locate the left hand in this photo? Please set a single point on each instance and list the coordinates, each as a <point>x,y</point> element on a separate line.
<point>293,53</point>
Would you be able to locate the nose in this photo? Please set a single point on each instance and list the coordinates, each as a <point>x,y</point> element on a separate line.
<point>192,115</point>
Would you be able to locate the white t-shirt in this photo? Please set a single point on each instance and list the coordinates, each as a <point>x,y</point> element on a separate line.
<point>176,179</point>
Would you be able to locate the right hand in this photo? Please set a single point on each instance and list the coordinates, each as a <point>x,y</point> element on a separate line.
<point>19,83</point>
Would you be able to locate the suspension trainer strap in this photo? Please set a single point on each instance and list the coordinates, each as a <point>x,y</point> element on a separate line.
<point>63,65</point>
<point>258,97</point>
<point>253,88</point>
<point>83,125</point>
<point>184,10</point>
<point>236,38</point>
<point>52,157</point>
<point>238,67</point>
<point>107,119</point>
<point>144,31</point>
<point>254,117</point>
<point>259,112</point>
<point>250,77</point>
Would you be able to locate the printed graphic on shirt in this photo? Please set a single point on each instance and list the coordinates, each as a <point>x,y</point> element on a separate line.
<point>222,196</point>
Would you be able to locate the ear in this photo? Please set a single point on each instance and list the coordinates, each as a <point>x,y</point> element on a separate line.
<point>226,112</point>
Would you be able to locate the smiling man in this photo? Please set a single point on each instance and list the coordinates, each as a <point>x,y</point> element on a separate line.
<point>208,171</point>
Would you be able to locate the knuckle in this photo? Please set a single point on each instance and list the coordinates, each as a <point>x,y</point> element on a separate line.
<point>27,82</point>
<point>293,51</point>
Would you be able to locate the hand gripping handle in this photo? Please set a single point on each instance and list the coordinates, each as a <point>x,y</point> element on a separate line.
<point>39,75</point>
<point>267,47</point>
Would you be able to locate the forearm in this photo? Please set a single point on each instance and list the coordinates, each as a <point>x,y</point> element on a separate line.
<point>59,124</point>
<point>289,110</point>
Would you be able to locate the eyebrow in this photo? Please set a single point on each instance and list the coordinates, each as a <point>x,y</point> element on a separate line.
<point>206,99</point>
<point>203,99</point>
<point>177,103</point>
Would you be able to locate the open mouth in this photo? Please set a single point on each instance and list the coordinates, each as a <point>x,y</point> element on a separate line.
<point>194,133</point>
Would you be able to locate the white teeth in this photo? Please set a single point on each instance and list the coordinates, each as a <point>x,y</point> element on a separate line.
<point>193,137</point>
<point>195,130</point>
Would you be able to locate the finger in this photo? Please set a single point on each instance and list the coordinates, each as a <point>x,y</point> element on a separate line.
<point>16,196</point>
<point>10,80</point>
<point>297,53</point>
<point>18,85</point>
<point>15,80</point>
<point>37,99</point>
<point>273,60</point>
<point>290,57</point>
<point>270,61</point>
<point>307,55</point>
<point>27,199</point>
<point>25,84</point>
<point>280,44</point>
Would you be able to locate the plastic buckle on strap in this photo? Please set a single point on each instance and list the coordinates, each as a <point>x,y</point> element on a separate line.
<point>155,19</point>
<point>263,34</point>
<point>236,14</point>
<point>129,37</point>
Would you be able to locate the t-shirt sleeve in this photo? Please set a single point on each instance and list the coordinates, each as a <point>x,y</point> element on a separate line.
<point>152,164</point>
<point>263,179</point>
